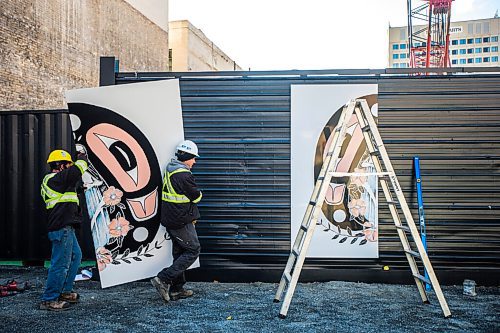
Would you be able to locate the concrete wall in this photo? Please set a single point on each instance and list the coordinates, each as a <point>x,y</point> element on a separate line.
<point>192,51</point>
<point>49,46</point>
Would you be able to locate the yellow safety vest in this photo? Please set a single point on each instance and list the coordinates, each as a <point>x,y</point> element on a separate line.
<point>168,192</point>
<point>52,197</point>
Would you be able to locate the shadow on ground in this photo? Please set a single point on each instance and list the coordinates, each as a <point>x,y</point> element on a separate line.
<point>239,307</point>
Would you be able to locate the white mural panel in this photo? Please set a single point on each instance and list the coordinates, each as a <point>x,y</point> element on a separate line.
<point>348,227</point>
<point>129,133</point>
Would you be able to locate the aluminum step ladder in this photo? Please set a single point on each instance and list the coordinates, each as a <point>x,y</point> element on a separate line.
<point>393,196</point>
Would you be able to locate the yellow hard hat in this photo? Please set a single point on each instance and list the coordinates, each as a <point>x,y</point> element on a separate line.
<point>59,155</point>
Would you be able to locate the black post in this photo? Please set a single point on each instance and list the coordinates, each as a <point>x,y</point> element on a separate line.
<point>107,71</point>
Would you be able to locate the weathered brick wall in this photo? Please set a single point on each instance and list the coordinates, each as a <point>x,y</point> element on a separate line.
<point>49,46</point>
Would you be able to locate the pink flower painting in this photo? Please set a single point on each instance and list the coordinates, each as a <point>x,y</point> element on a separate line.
<point>112,196</point>
<point>357,207</point>
<point>103,257</point>
<point>119,227</point>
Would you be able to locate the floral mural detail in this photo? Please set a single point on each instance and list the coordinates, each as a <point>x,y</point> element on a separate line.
<point>112,196</point>
<point>119,227</point>
<point>103,257</point>
<point>357,207</point>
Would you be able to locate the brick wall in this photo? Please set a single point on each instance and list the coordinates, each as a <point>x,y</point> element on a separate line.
<point>49,46</point>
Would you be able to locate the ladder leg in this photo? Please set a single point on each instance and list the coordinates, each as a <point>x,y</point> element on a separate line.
<point>297,256</point>
<point>388,197</point>
<point>406,210</point>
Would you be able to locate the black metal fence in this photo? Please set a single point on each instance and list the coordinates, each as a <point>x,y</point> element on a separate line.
<point>241,122</point>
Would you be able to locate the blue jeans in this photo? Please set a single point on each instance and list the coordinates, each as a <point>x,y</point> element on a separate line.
<point>64,263</point>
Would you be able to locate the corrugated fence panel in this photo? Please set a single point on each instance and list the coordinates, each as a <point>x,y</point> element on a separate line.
<point>26,139</point>
<point>243,127</point>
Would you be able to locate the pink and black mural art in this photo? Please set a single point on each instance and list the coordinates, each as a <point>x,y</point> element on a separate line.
<point>348,226</point>
<point>128,134</point>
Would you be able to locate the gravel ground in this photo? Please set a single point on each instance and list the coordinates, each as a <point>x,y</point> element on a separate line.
<point>238,307</point>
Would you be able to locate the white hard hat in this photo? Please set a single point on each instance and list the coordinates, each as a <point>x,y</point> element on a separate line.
<point>188,146</point>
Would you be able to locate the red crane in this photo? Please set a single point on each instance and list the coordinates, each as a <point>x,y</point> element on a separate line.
<point>429,34</point>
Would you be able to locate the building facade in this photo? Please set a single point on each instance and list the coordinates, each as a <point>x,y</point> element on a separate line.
<point>473,43</point>
<point>191,51</point>
<point>50,46</point>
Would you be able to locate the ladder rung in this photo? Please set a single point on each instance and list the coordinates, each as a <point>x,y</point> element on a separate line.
<point>375,153</point>
<point>366,128</point>
<point>392,203</point>
<point>402,227</point>
<point>303,227</point>
<point>312,203</point>
<point>384,177</point>
<point>321,177</point>
<point>413,253</point>
<point>295,252</point>
<point>287,276</point>
<point>422,278</point>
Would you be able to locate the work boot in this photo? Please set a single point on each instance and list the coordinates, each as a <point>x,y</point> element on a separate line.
<point>54,305</point>
<point>178,294</point>
<point>162,287</point>
<point>69,297</point>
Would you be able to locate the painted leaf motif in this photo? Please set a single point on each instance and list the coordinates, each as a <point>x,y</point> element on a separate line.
<point>354,240</point>
<point>363,242</point>
<point>343,240</point>
<point>335,237</point>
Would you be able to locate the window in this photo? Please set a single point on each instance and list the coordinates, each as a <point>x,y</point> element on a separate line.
<point>486,49</point>
<point>462,61</point>
<point>454,42</point>
<point>462,41</point>
<point>395,65</point>
<point>395,46</point>
<point>463,51</point>
<point>486,27</point>
<point>470,28</point>
<point>402,65</point>
<point>494,59</point>
<point>454,52</point>
<point>470,60</point>
<point>402,46</point>
<point>454,62</point>
<point>470,51</point>
<point>478,50</point>
<point>486,59</point>
<point>494,49</point>
<point>395,56</point>
<point>417,44</point>
<point>494,38</point>
<point>477,60</point>
<point>486,39</point>
<point>424,44</point>
<point>470,40</point>
<point>402,56</point>
<point>478,28</point>
<point>478,40</point>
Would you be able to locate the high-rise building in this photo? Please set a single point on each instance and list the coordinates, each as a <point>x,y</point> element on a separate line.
<point>473,43</point>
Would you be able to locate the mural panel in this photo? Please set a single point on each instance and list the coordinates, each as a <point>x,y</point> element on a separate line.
<point>129,134</point>
<point>348,225</point>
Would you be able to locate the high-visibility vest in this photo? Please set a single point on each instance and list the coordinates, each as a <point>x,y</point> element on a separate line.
<point>52,197</point>
<point>168,192</point>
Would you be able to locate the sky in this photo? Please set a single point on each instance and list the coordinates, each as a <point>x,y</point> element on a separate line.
<point>307,34</point>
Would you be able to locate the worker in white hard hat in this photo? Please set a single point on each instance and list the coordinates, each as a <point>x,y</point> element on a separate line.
<point>179,213</point>
<point>58,190</point>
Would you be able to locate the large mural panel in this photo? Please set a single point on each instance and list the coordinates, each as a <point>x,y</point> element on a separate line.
<point>129,134</point>
<point>348,224</point>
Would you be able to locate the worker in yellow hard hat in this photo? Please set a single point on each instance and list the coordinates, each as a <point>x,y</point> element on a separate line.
<point>58,190</point>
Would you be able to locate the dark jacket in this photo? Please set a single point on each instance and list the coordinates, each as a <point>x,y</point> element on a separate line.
<point>64,213</point>
<point>176,215</point>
